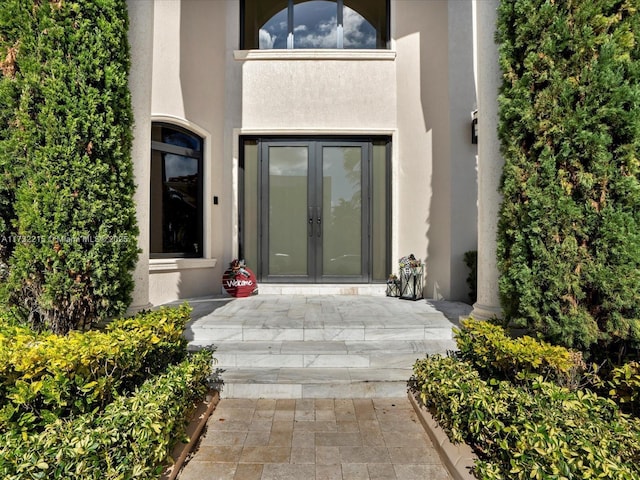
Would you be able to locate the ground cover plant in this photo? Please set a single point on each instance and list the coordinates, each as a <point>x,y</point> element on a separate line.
<point>569,126</point>
<point>130,438</point>
<point>523,407</point>
<point>97,404</point>
<point>44,376</point>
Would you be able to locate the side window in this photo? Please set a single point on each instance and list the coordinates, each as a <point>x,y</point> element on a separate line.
<point>356,24</point>
<point>176,192</point>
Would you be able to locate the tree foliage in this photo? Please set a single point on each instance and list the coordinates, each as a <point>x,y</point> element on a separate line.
<point>569,227</point>
<point>66,209</point>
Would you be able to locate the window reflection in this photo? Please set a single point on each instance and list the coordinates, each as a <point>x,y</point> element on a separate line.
<point>315,24</point>
<point>176,193</point>
<point>351,24</point>
<point>273,34</point>
<point>358,32</point>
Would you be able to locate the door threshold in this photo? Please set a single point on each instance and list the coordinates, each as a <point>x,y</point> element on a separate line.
<point>370,289</point>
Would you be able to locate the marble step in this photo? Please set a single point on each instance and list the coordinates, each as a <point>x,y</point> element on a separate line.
<point>219,333</point>
<point>314,382</point>
<point>324,354</point>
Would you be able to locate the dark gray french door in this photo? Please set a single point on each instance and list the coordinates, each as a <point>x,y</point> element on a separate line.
<point>314,211</point>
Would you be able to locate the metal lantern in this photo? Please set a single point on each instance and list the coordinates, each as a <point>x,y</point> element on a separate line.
<point>393,287</point>
<point>411,271</point>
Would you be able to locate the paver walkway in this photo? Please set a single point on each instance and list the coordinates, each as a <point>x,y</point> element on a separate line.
<point>322,439</point>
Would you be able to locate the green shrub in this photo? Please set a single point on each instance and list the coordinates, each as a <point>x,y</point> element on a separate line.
<point>623,386</point>
<point>489,348</point>
<point>12,25</point>
<point>132,438</point>
<point>46,376</point>
<point>569,126</point>
<point>471,261</point>
<point>544,431</point>
<point>66,151</point>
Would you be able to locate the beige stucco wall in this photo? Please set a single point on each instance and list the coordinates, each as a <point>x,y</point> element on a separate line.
<point>436,186</point>
<point>464,170</point>
<point>420,92</point>
<point>332,91</point>
<point>188,89</point>
<point>141,40</point>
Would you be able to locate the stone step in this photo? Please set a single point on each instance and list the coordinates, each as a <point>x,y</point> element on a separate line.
<point>314,382</point>
<point>325,346</point>
<point>322,289</point>
<point>336,354</point>
<point>200,336</point>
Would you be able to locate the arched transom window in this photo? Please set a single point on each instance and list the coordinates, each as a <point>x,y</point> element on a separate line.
<point>286,24</point>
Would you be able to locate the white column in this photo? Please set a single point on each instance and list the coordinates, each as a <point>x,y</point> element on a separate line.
<point>141,41</point>
<point>490,161</point>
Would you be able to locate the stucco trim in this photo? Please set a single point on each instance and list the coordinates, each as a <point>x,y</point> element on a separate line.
<point>312,54</point>
<point>157,265</point>
<point>311,132</point>
<point>207,165</point>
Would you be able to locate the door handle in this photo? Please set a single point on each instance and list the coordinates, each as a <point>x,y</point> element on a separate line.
<point>319,220</point>
<point>310,222</point>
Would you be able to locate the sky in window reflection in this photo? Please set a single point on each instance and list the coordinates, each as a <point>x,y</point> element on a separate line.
<point>174,137</point>
<point>316,25</point>
<point>291,161</point>
<point>180,168</point>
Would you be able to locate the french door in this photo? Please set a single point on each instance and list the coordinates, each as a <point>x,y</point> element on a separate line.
<point>314,211</point>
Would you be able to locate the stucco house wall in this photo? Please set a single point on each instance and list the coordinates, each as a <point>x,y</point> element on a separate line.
<point>420,92</point>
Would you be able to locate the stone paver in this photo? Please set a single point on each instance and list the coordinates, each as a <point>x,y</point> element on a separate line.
<point>321,439</point>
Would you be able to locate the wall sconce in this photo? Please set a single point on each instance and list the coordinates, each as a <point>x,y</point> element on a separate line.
<point>474,127</point>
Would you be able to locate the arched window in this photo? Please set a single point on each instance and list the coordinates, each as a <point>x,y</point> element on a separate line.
<point>176,192</point>
<point>361,24</point>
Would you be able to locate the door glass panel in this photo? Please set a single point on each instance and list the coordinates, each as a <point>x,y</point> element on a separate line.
<point>379,204</point>
<point>342,210</point>
<point>315,24</point>
<point>249,224</point>
<point>288,170</point>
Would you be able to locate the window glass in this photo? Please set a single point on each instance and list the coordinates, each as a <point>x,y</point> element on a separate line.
<point>176,193</point>
<point>358,32</point>
<point>315,24</point>
<point>273,34</point>
<point>270,24</point>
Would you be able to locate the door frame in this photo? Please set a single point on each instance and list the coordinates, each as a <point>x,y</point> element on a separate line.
<point>366,142</point>
<point>316,224</point>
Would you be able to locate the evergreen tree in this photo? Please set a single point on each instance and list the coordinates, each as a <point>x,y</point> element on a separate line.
<point>73,214</point>
<point>569,228</point>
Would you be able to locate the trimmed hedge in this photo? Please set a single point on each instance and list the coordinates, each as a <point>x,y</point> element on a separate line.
<point>543,432</point>
<point>45,376</point>
<point>68,232</point>
<point>487,347</point>
<point>622,384</point>
<point>132,438</point>
<point>569,126</point>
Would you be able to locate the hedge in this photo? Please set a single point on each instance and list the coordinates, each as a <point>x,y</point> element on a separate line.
<point>45,376</point>
<point>545,431</point>
<point>132,438</point>
<point>569,127</point>
<point>488,347</point>
<point>69,234</point>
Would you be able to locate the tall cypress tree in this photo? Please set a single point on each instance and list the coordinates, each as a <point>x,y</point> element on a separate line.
<point>74,216</point>
<point>569,227</point>
<point>13,24</point>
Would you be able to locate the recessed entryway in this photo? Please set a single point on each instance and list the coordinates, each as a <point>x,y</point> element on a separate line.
<point>315,210</point>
